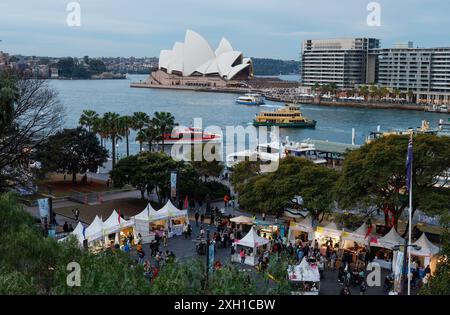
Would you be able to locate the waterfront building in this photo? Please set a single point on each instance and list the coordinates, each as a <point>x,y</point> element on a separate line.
<point>423,71</point>
<point>345,62</point>
<point>194,63</point>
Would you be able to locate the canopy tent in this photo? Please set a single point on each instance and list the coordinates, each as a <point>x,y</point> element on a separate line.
<point>330,229</point>
<point>304,272</point>
<point>390,240</point>
<point>78,232</point>
<point>95,230</point>
<point>303,226</point>
<point>146,214</point>
<point>252,239</point>
<point>242,220</point>
<point>426,247</point>
<point>115,224</point>
<point>171,211</point>
<point>358,236</point>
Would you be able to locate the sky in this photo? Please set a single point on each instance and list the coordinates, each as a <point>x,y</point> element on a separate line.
<point>258,28</point>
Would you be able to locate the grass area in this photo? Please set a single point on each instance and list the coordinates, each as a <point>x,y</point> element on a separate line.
<point>128,207</point>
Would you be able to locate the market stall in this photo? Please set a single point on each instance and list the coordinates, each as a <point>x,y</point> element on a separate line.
<point>304,278</point>
<point>268,230</point>
<point>383,248</point>
<point>355,245</point>
<point>328,235</point>
<point>303,230</point>
<point>427,252</point>
<point>116,230</point>
<point>252,244</point>
<point>94,233</point>
<point>147,223</point>
<point>244,223</point>
<point>175,217</point>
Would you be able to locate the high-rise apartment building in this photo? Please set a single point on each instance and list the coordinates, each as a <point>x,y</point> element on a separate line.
<point>345,62</point>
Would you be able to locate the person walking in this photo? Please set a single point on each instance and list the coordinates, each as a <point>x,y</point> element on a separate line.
<point>166,237</point>
<point>202,218</point>
<point>65,227</point>
<point>263,216</point>
<point>76,213</point>
<point>185,231</point>
<point>211,220</point>
<point>196,216</point>
<point>189,231</point>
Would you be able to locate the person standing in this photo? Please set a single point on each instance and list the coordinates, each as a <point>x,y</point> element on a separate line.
<point>76,212</point>
<point>263,216</point>
<point>189,231</point>
<point>65,227</point>
<point>196,216</point>
<point>185,231</point>
<point>166,237</point>
<point>242,255</point>
<point>211,221</point>
<point>202,218</point>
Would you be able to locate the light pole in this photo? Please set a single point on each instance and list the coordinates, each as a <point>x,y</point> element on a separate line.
<point>207,260</point>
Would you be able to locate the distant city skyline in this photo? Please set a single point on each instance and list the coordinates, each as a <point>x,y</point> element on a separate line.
<point>259,28</point>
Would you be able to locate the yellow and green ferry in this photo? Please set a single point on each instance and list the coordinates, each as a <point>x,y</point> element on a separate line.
<point>289,116</point>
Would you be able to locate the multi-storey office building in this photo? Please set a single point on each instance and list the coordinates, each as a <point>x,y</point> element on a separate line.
<point>345,62</point>
<point>423,71</point>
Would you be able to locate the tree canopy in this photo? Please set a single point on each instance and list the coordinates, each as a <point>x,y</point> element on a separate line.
<point>273,192</point>
<point>73,151</point>
<point>375,176</point>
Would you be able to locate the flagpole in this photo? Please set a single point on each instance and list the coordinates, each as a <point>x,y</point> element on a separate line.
<point>409,225</point>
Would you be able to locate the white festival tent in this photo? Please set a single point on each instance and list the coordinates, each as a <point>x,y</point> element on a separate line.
<point>77,232</point>
<point>427,249</point>
<point>252,240</point>
<point>303,226</point>
<point>330,229</point>
<point>142,223</point>
<point>170,211</point>
<point>114,224</point>
<point>95,230</point>
<point>242,220</point>
<point>390,240</point>
<point>358,236</point>
<point>304,272</point>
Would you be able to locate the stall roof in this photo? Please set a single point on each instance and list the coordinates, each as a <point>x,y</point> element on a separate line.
<point>95,230</point>
<point>427,248</point>
<point>391,239</point>
<point>242,220</point>
<point>146,213</point>
<point>115,223</point>
<point>252,239</point>
<point>304,272</point>
<point>304,225</point>
<point>78,232</point>
<point>169,210</point>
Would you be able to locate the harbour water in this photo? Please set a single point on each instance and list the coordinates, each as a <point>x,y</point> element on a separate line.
<point>333,123</point>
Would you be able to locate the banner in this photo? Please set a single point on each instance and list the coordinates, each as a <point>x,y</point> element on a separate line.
<point>44,207</point>
<point>173,184</point>
<point>211,256</point>
<point>398,270</point>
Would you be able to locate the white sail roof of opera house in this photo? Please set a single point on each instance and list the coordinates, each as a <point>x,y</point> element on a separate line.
<point>195,56</point>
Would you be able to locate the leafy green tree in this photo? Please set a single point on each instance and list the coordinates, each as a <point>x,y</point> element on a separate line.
<point>73,151</point>
<point>180,279</point>
<point>9,94</point>
<point>230,280</point>
<point>273,192</point>
<point>126,123</point>
<point>96,66</point>
<point>375,175</point>
<point>208,166</point>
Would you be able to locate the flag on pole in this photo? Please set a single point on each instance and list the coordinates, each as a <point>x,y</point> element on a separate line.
<point>409,159</point>
<point>118,218</point>
<point>84,232</point>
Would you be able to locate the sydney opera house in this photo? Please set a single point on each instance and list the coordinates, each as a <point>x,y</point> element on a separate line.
<point>194,63</point>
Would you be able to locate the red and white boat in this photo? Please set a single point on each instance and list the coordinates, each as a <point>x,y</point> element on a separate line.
<point>191,135</point>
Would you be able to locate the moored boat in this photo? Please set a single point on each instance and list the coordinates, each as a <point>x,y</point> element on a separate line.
<point>289,116</point>
<point>250,99</point>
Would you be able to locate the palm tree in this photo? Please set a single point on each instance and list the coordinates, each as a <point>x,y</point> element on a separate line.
<point>126,122</point>
<point>152,134</point>
<point>111,122</point>
<point>140,119</point>
<point>88,118</point>
<point>165,122</point>
<point>374,91</point>
<point>98,127</point>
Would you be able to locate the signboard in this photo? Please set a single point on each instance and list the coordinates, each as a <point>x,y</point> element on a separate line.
<point>211,256</point>
<point>173,184</point>
<point>43,207</point>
